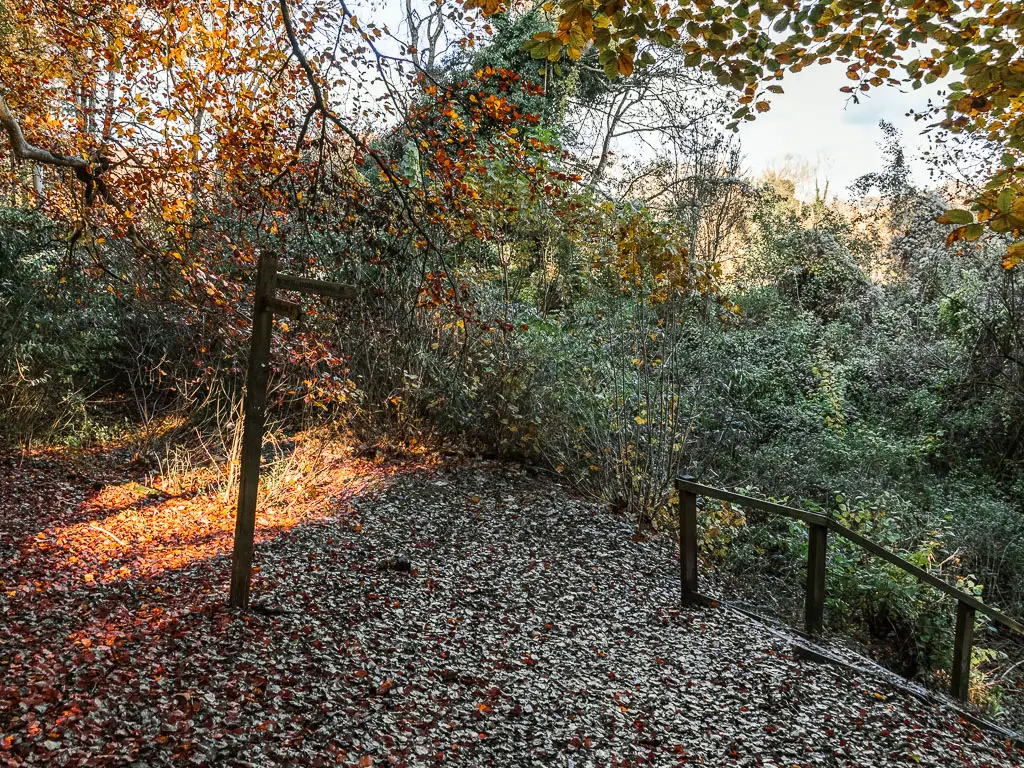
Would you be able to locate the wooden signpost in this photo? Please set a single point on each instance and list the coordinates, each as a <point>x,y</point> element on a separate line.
<point>265,306</point>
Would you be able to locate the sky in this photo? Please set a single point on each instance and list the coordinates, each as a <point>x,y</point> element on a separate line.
<point>814,122</point>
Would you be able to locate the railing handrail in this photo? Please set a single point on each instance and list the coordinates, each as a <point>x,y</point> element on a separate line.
<point>853,537</point>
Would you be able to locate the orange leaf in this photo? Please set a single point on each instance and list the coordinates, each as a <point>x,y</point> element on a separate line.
<point>625,64</point>
<point>1014,256</point>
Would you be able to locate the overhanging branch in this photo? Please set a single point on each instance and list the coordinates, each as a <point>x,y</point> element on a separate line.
<point>25,151</point>
<point>89,174</point>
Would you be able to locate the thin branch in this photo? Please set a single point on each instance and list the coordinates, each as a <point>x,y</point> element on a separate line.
<point>107,533</point>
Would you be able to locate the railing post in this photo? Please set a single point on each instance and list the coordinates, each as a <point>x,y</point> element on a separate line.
<point>687,543</point>
<point>814,600</point>
<point>962,644</point>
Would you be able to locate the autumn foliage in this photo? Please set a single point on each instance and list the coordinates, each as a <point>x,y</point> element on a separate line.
<point>556,257</point>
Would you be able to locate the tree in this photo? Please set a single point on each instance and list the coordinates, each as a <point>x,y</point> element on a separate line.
<point>138,99</point>
<point>751,45</point>
<point>663,102</point>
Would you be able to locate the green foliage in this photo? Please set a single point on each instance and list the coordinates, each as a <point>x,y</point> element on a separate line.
<point>557,79</point>
<point>69,340</point>
<point>6,24</point>
<point>49,352</point>
<point>807,256</point>
<point>891,607</point>
<point>721,524</point>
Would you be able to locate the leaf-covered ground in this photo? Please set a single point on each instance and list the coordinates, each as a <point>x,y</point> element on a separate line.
<point>531,630</point>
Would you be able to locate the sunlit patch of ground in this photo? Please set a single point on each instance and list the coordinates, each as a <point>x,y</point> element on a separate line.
<point>96,575</point>
<point>129,531</point>
<point>150,535</point>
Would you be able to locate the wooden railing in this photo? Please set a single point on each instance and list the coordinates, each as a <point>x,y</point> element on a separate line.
<point>814,604</point>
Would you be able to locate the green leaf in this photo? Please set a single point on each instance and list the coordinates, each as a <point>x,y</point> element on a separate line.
<point>537,50</point>
<point>1005,200</point>
<point>1002,223</point>
<point>959,217</point>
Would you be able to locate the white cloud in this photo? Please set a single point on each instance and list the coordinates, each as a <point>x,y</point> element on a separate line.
<point>815,123</point>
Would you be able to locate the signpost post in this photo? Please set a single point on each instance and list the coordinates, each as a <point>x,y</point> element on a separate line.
<point>265,306</point>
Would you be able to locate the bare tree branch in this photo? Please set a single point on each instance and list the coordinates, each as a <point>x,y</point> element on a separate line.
<point>25,151</point>
<point>387,172</point>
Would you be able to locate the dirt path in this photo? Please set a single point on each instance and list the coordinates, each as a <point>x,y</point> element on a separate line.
<point>531,630</point>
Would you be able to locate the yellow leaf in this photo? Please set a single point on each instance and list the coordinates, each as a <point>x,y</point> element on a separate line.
<point>1014,255</point>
